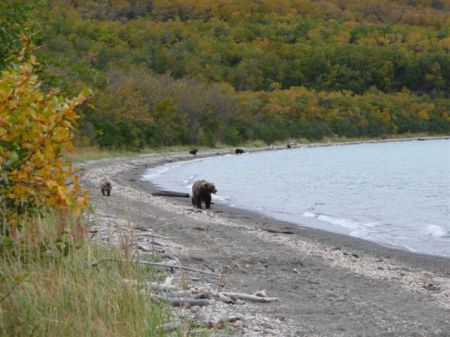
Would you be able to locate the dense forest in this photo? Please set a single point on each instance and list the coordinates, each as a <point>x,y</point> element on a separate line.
<point>167,72</point>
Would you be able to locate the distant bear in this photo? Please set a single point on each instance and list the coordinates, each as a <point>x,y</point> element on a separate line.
<point>201,191</point>
<point>239,151</point>
<point>194,152</point>
<point>289,146</point>
<point>106,187</point>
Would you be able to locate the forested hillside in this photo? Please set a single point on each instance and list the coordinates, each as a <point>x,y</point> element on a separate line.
<point>167,72</point>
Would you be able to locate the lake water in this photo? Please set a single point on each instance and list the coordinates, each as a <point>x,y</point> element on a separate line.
<point>395,193</point>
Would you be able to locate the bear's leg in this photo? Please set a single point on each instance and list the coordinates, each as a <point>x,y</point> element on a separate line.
<point>108,192</point>
<point>103,192</point>
<point>208,202</point>
<point>199,203</point>
<point>193,202</point>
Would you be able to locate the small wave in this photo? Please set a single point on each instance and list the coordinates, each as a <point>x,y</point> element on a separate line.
<point>156,172</point>
<point>152,174</point>
<point>187,183</point>
<point>346,223</point>
<point>342,222</point>
<point>436,231</point>
<point>220,198</point>
<point>309,214</point>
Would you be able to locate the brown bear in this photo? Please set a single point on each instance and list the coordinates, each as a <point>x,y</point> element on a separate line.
<point>106,187</point>
<point>239,151</point>
<point>201,191</point>
<point>194,152</point>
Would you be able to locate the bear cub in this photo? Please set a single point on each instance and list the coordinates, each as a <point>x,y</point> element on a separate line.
<point>106,187</point>
<point>201,191</point>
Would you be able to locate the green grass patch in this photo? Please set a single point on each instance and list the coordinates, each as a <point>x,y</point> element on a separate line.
<point>82,154</point>
<point>49,288</point>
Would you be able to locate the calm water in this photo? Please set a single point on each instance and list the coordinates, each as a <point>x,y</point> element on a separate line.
<point>396,194</point>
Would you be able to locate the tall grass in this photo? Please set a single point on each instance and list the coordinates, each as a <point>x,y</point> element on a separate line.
<point>82,154</point>
<point>49,288</point>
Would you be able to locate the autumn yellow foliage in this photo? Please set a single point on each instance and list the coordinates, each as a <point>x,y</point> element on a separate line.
<point>35,127</point>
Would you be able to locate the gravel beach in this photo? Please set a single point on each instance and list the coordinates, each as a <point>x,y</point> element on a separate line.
<point>327,284</point>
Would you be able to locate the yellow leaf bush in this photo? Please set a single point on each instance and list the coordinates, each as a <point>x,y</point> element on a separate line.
<point>35,127</point>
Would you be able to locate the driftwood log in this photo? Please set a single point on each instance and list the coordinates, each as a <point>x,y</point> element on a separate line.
<point>179,302</point>
<point>156,264</point>
<point>275,231</point>
<point>189,298</point>
<point>162,193</point>
<point>248,297</point>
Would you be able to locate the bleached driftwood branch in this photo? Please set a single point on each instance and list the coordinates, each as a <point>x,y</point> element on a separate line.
<point>156,264</point>
<point>249,297</point>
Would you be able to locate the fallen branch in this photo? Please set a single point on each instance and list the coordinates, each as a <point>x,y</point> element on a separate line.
<point>249,297</point>
<point>163,265</point>
<point>225,299</point>
<point>156,264</point>
<point>195,292</point>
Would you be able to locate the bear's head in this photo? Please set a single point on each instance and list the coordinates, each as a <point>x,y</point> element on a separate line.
<point>105,184</point>
<point>211,187</point>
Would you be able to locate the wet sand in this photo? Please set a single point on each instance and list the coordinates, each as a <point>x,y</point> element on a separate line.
<point>328,284</point>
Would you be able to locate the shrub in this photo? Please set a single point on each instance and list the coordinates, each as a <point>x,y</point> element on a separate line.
<point>35,127</point>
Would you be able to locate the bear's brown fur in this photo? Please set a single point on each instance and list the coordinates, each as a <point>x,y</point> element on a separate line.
<point>106,187</point>
<point>201,191</point>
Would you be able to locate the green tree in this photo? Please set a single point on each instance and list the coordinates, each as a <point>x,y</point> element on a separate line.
<point>14,20</point>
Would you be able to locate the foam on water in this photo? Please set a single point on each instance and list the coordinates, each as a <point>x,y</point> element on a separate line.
<point>155,173</point>
<point>150,175</point>
<point>392,193</point>
<point>352,227</point>
<point>221,198</point>
<point>309,214</point>
<point>346,223</point>
<point>436,231</point>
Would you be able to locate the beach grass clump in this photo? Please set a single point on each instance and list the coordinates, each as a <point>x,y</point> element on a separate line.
<point>48,287</point>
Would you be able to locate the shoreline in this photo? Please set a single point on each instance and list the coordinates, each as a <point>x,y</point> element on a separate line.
<point>152,187</point>
<point>324,280</point>
<point>332,238</point>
